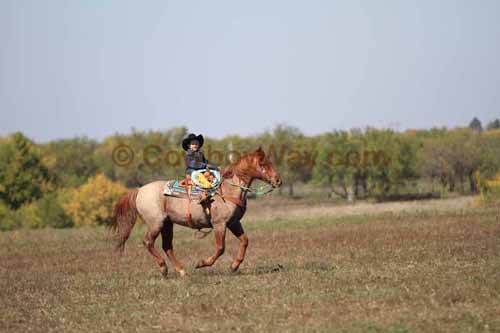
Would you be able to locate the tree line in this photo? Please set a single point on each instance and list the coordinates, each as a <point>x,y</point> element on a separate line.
<point>73,182</point>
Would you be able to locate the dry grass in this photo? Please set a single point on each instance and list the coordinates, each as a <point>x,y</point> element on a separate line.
<point>281,207</point>
<point>414,270</point>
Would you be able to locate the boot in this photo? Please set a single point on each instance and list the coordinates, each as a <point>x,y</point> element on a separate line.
<point>204,197</point>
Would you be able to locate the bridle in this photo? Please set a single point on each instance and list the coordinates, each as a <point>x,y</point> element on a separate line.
<point>261,190</point>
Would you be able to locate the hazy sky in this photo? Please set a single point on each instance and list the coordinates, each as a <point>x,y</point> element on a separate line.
<point>97,67</point>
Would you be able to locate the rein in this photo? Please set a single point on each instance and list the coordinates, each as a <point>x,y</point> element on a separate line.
<point>261,190</point>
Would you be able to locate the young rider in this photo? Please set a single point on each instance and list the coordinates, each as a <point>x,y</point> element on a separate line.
<point>195,160</point>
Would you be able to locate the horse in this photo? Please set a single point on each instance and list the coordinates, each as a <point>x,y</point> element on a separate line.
<point>226,209</point>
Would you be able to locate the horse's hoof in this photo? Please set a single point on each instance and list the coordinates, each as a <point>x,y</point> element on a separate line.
<point>164,270</point>
<point>182,273</point>
<point>234,269</point>
<point>200,264</point>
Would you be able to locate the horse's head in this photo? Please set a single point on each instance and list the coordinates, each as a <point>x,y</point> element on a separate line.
<point>263,169</point>
<point>254,165</point>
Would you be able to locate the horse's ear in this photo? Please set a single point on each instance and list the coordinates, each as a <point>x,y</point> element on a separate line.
<point>260,153</point>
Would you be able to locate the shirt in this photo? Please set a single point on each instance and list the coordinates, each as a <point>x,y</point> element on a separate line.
<point>195,160</point>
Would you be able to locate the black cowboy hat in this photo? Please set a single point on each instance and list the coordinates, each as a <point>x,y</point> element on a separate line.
<point>192,136</point>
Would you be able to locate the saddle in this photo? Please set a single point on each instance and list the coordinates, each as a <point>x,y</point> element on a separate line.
<point>201,184</point>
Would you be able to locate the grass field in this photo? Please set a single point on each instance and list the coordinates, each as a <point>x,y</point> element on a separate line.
<point>430,266</point>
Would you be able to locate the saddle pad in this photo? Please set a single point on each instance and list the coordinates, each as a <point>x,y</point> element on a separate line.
<point>173,188</point>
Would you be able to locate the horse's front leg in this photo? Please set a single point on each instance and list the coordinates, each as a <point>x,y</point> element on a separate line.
<point>220,240</point>
<point>237,230</point>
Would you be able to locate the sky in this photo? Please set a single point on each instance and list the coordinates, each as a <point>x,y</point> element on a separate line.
<point>97,67</point>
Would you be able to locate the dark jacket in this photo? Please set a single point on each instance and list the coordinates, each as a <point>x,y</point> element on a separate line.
<point>195,160</point>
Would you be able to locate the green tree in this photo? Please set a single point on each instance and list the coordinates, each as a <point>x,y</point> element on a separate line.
<point>490,154</point>
<point>433,163</point>
<point>153,155</point>
<point>70,161</point>
<point>23,177</point>
<point>336,164</point>
<point>359,163</point>
<point>453,158</point>
<point>389,160</point>
<point>495,124</point>
<point>476,125</point>
<point>287,149</point>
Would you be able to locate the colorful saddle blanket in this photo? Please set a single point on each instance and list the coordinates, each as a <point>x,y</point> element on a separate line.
<point>173,187</point>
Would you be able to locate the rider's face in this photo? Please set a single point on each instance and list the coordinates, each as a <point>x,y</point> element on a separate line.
<point>194,145</point>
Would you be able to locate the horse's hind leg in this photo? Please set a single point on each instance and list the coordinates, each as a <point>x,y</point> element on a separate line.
<point>237,230</point>
<point>149,243</point>
<point>167,235</point>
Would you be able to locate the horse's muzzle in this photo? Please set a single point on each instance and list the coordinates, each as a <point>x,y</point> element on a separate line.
<point>276,182</point>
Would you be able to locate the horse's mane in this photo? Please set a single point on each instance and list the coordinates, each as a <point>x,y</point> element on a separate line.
<point>243,166</point>
<point>236,168</point>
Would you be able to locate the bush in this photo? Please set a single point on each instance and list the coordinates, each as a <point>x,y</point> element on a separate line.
<point>45,212</point>
<point>8,220</point>
<point>27,216</point>
<point>489,190</point>
<point>51,212</point>
<point>92,203</point>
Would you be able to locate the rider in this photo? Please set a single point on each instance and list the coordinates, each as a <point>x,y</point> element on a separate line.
<point>195,160</point>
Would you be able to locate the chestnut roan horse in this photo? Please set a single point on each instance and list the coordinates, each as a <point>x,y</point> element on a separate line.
<point>160,212</point>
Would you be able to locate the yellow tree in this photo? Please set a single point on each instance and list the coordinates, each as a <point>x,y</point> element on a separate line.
<point>92,203</point>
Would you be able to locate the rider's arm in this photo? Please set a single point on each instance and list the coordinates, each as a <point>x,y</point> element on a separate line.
<point>207,165</point>
<point>212,167</point>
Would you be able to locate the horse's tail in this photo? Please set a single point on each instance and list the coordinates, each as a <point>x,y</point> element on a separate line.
<point>124,217</point>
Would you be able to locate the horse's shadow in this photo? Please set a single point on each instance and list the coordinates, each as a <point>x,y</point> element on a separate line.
<point>268,268</point>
